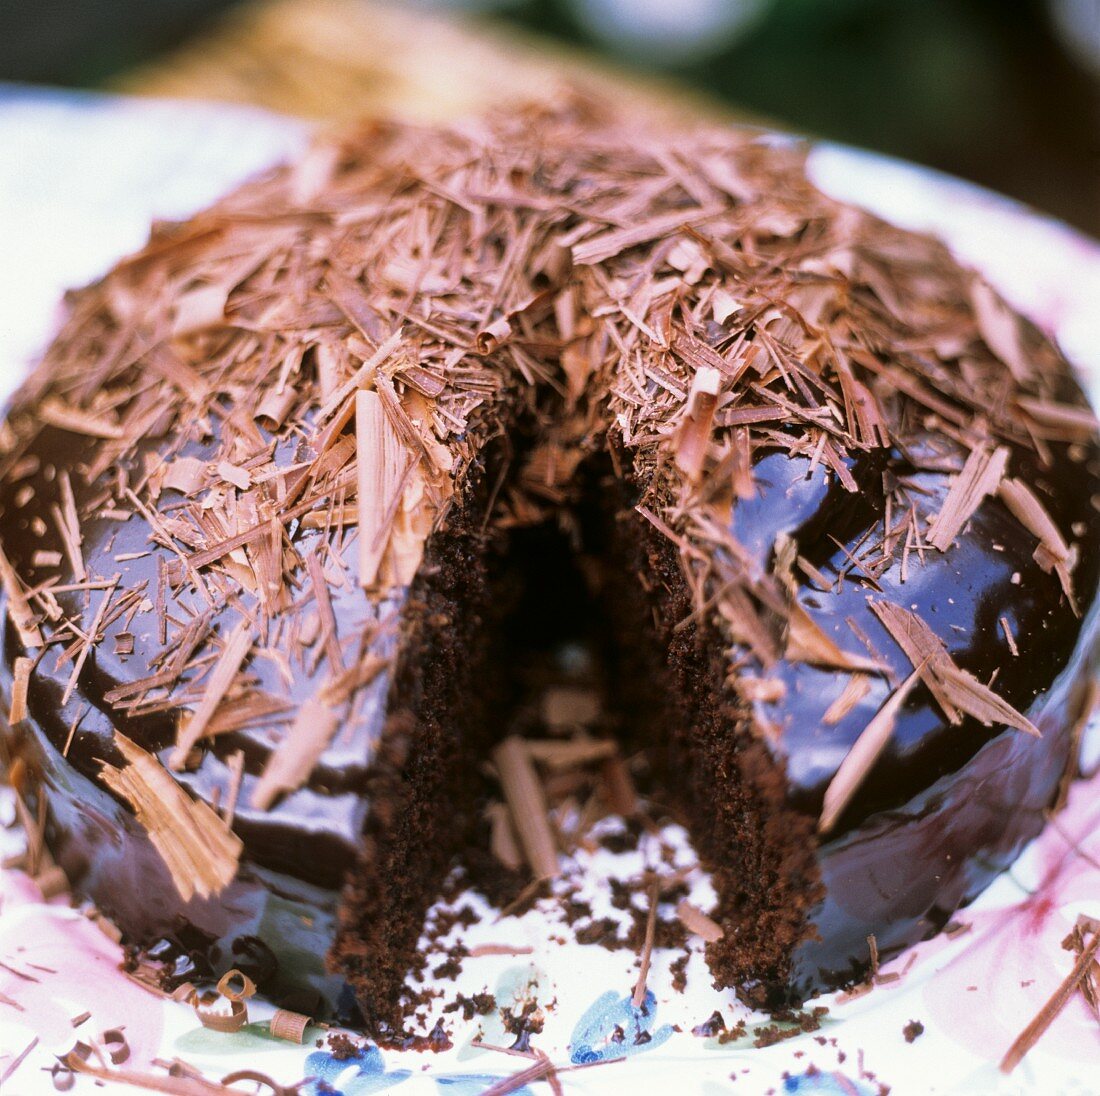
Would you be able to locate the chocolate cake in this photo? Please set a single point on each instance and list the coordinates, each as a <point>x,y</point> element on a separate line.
<point>288,489</point>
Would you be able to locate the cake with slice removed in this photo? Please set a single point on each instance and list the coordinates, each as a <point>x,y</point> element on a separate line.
<point>266,510</point>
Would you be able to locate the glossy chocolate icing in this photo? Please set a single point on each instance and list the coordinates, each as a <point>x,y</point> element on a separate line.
<point>946,807</point>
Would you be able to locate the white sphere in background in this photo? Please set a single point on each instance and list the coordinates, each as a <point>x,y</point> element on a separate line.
<point>668,30</point>
<point>1077,23</point>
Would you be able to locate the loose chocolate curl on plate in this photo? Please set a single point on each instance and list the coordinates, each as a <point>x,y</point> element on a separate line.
<point>228,988</point>
<point>289,1025</point>
<point>113,1042</point>
<point>217,1019</point>
<point>1053,1006</point>
<point>697,922</point>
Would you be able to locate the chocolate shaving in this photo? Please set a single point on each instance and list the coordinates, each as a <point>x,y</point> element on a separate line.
<point>1067,420</point>
<point>18,1060</point>
<point>503,843</point>
<point>1053,554</point>
<point>694,437</point>
<point>860,759</point>
<point>235,765</point>
<point>536,1072</point>
<point>559,755</point>
<point>19,611</point>
<point>90,641</point>
<point>380,469</point>
<point>806,642</point>
<point>190,1085</point>
<point>185,474</point>
<point>956,691</point>
<point>328,617</point>
<point>527,804</point>
<point>1000,329</point>
<point>638,997</point>
<point>237,646</point>
<point>606,245</point>
<point>617,787</point>
<point>1054,1005</point>
<point>21,675</point>
<point>981,476</point>
<point>855,689</point>
<point>289,766</point>
<point>479,951</point>
<point>697,922</point>
<point>52,411</point>
<point>200,853</point>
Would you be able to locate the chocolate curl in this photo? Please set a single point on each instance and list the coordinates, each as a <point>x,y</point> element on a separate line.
<point>62,1076</point>
<point>227,1022</point>
<point>113,1041</point>
<point>290,1026</point>
<point>237,1016</point>
<point>229,992</point>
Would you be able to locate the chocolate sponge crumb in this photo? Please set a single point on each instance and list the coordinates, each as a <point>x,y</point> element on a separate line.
<point>912,1030</point>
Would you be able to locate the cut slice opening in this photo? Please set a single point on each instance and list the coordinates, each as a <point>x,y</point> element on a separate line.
<point>592,599</point>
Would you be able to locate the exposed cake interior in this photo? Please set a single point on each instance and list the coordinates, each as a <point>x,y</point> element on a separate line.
<point>718,776</point>
<point>495,613</point>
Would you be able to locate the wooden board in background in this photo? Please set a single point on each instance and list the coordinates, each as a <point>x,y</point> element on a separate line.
<point>343,59</point>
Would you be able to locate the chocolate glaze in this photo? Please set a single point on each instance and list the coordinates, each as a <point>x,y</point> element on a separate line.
<point>329,811</point>
<point>989,574</point>
<point>946,807</point>
<point>298,852</point>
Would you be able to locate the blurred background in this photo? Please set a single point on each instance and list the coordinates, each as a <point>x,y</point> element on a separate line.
<point>1003,92</point>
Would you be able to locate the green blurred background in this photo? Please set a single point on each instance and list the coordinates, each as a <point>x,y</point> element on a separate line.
<point>1004,92</point>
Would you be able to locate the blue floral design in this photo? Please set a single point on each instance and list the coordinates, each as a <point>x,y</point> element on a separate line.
<point>370,1075</point>
<point>613,1028</point>
<point>815,1082</point>
<point>471,1084</point>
